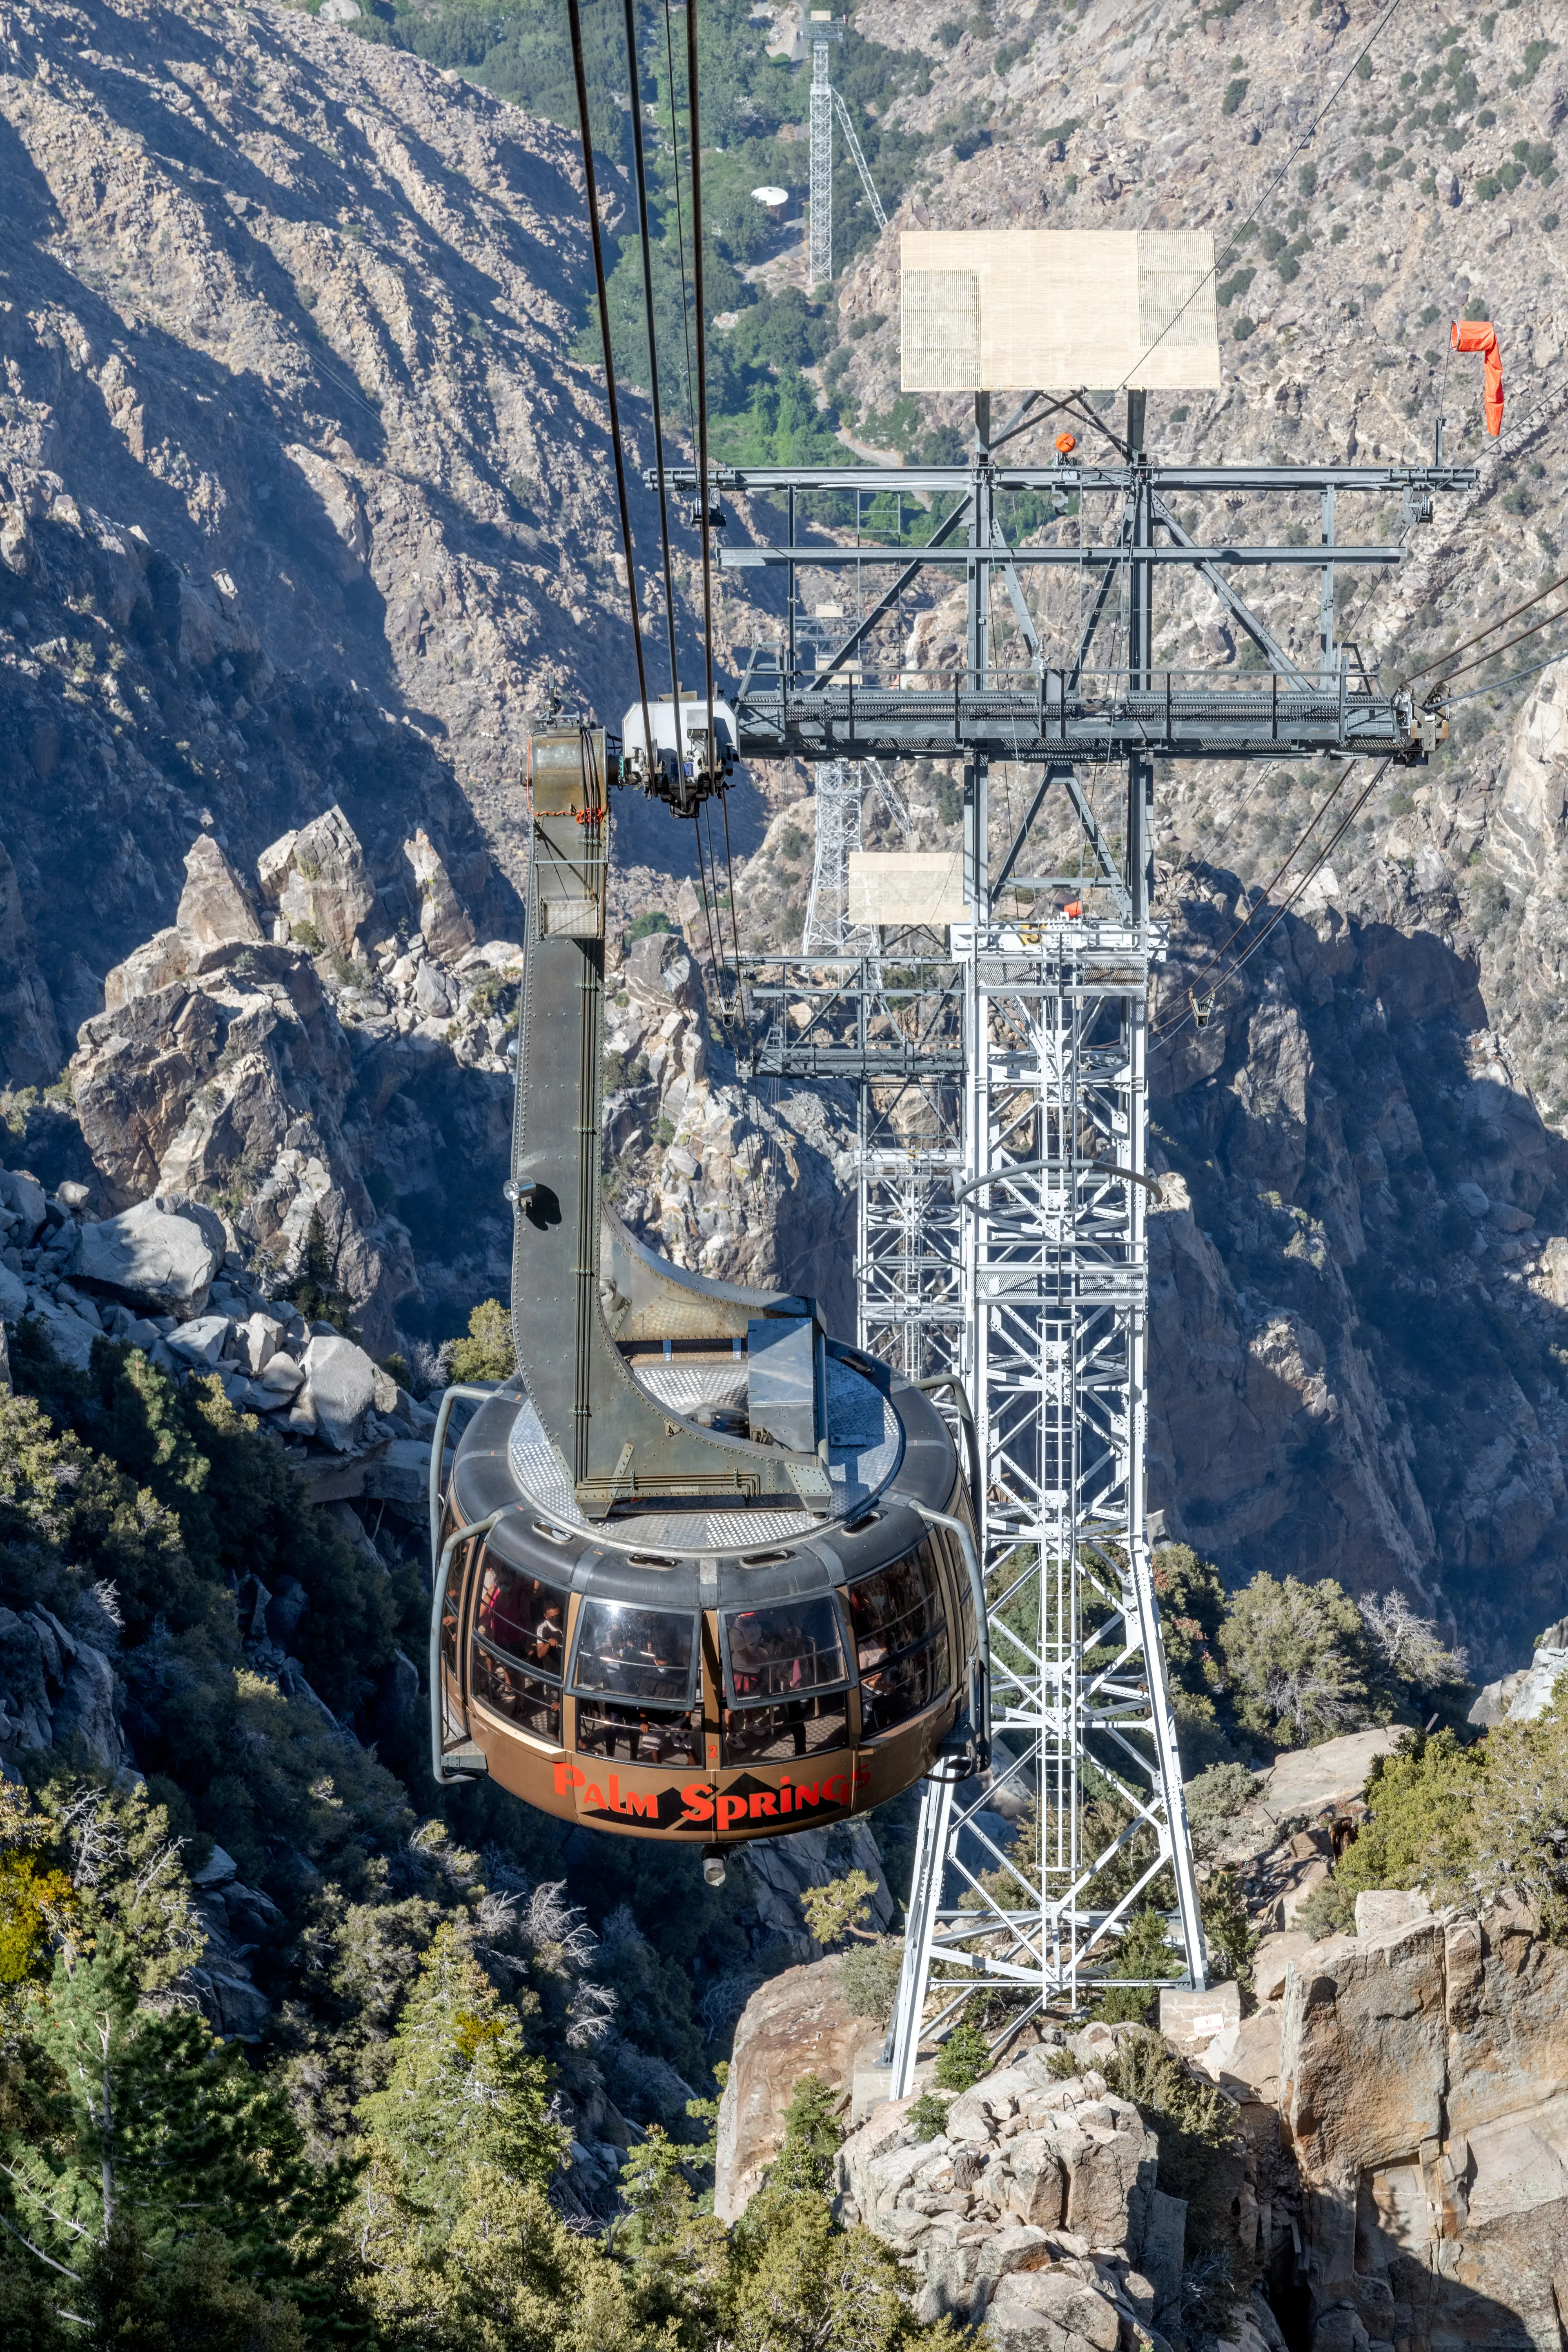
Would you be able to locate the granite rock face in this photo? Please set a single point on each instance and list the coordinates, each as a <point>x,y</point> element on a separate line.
<point>796,2024</point>
<point>1031,2209</point>
<point>1423,2093</point>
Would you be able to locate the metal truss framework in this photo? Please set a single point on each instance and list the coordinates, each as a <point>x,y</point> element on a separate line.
<point>826,101</point>
<point>1001,1080</point>
<point>838,802</point>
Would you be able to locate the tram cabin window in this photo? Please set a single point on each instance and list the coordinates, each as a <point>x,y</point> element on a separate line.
<point>630,1654</point>
<point>786,1682</point>
<point>518,1615</point>
<point>780,1654</point>
<point>900,1645</point>
<point>525,1699</point>
<point>642,1735</point>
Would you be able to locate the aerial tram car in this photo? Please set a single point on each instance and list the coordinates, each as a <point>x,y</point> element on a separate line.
<point>701,1573</point>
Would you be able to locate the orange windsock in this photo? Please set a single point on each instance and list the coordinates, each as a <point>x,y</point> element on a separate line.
<point>1480,335</point>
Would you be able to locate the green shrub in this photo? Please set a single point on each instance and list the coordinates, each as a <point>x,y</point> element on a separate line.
<point>1228,1932</point>
<point>1328,1910</point>
<point>1299,1658</point>
<point>869,1978</point>
<point>929,2115</point>
<point>1214,1800</point>
<point>963,2058</point>
<point>486,1354</point>
<point>1196,2126</point>
<point>315,1289</point>
<point>1146,1952</point>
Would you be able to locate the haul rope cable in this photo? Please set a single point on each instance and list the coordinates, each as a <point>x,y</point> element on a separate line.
<point>1233,247</point>
<point>1496,652</point>
<point>698,305</point>
<point>640,170</point>
<point>575,21</point>
<point>1497,684</point>
<point>641,174</point>
<point>1302,837</point>
<point>680,221</point>
<point>1507,445</point>
<point>1465,644</point>
<point>1265,894</point>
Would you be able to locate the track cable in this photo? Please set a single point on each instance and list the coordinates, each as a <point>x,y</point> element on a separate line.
<point>640,165</point>
<point>574,20</point>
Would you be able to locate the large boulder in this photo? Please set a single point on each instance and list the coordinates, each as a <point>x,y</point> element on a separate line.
<point>798,2024</point>
<point>1423,2087</point>
<point>339,1385</point>
<point>1031,2175</point>
<point>444,923</point>
<point>147,1258</point>
<point>70,1335</point>
<point>157,964</point>
<point>323,889</point>
<point>25,1197</point>
<point>214,909</point>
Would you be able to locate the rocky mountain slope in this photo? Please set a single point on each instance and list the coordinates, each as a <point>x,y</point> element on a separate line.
<point>305,499</point>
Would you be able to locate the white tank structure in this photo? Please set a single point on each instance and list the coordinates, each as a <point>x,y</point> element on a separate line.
<point>774,202</point>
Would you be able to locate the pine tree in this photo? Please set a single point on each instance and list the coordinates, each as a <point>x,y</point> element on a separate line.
<point>486,1354</point>
<point>463,2094</point>
<point>315,1289</point>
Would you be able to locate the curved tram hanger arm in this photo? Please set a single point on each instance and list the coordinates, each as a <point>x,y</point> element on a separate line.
<point>966,1415</point>
<point>1038,1166</point>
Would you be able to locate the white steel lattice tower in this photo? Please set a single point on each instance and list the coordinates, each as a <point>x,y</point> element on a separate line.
<point>1056,1281</point>
<point>819,257</point>
<point>828,930</point>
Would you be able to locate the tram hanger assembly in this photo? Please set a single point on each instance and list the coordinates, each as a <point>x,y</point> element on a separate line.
<point>700,1572</point>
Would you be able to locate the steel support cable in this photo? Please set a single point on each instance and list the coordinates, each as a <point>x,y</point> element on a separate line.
<point>1497,684</point>
<point>698,304</point>
<point>679,230</point>
<point>1298,844</point>
<point>1497,652</point>
<point>1508,446</point>
<point>1234,245</point>
<point>1172,1028</point>
<point>574,19</point>
<point>1465,645</point>
<point>1260,778</point>
<point>640,165</point>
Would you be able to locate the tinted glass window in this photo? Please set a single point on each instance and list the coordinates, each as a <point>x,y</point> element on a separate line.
<point>639,1653</point>
<point>643,1736</point>
<point>894,1610</point>
<point>524,1698</point>
<point>777,1733</point>
<point>781,1654</point>
<point>890,1694</point>
<point>517,1614</point>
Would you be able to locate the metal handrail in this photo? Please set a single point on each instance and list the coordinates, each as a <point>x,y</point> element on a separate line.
<point>449,1397</point>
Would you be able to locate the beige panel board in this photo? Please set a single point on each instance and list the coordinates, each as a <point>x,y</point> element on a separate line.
<point>892,888</point>
<point>1051,308</point>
